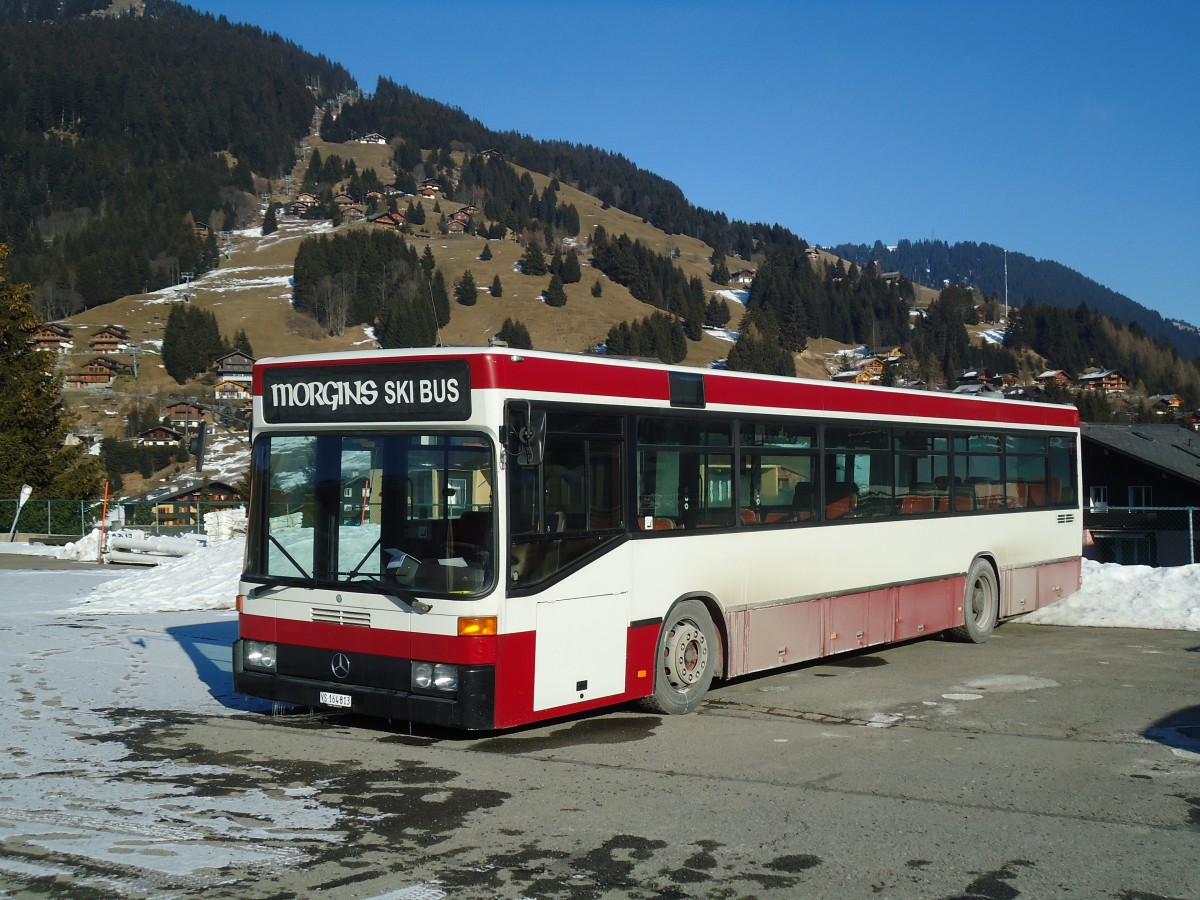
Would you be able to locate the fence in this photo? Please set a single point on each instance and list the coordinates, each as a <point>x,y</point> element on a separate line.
<point>1142,535</point>
<point>72,519</point>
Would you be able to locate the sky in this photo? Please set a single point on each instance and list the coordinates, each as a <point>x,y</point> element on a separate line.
<point>1067,131</point>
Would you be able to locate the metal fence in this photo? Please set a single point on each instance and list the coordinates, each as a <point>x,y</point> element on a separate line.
<point>72,519</point>
<point>1142,535</point>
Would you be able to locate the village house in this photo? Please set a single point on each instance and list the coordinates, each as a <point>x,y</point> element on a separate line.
<point>431,184</point>
<point>428,193</point>
<point>109,339</point>
<point>1059,377</point>
<point>393,220</point>
<point>235,366</point>
<point>186,507</point>
<point>1164,404</point>
<point>159,436</point>
<point>741,276</point>
<point>236,393</point>
<point>51,336</point>
<point>90,375</point>
<point>373,138</point>
<point>1110,381</point>
<point>353,214</point>
<point>344,200</point>
<point>455,227</point>
<point>184,415</point>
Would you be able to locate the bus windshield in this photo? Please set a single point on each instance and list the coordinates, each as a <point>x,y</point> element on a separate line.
<point>409,512</point>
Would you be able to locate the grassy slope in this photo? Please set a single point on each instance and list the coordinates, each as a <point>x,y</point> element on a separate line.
<point>249,292</point>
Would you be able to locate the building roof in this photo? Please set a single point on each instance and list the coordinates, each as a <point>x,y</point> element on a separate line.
<point>1171,448</point>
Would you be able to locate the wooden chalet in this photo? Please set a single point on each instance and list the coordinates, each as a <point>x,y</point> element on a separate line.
<point>90,375</point>
<point>109,339</point>
<point>455,227</point>
<point>1110,381</point>
<point>432,183</point>
<point>353,214</point>
<point>1059,377</point>
<point>184,415</point>
<point>373,138</point>
<point>234,392</point>
<point>428,193</point>
<point>51,336</point>
<point>200,229</point>
<point>235,366</point>
<point>393,220</point>
<point>853,376</point>
<point>1165,403</point>
<point>344,200</point>
<point>159,436</point>
<point>742,276</point>
<point>186,507</point>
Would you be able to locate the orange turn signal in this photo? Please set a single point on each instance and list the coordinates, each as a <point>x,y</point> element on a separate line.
<point>476,626</point>
<point>240,602</point>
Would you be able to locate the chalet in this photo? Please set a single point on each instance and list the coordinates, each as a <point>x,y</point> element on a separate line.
<point>344,200</point>
<point>234,392</point>
<point>492,153</point>
<point>109,339</point>
<point>892,277</point>
<point>306,197</point>
<point>742,276</point>
<point>184,415</point>
<point>853,376</point>
<point>1059,377</point>
<point>455,227</point>
<point>107,362</point>
<point>200,229</point>
<point>392,190</point>
<point>428,193</point>
<point>374,195</point>
<point>813,254</point>
<point>159,436</point>
<point>186,507</point>
<point>51,336</point>
<point>431,183</point>
<point>1165,403</point>
<point>1145,467</point>
<point>353,214</point>
<point>90,376</point>
<point>1110,381</point>
<point>460,215</point>
<point>373,138</point>
<point>889,352</point>
<point>393,220</point>
<point>300,207</point>
<point>470,209</point>
<point>235,366</point>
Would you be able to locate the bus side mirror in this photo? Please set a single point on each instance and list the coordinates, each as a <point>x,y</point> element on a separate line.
<point>531,439</point>
<point>526,434</point>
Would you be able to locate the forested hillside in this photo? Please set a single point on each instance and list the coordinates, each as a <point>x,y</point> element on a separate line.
<point>119,134</point>
<point>981,266</point>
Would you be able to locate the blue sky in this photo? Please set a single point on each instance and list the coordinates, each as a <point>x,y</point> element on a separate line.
<point>1068,131</point>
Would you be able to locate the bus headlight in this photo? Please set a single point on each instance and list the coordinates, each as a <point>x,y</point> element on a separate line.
<point>258,655</point>
<point>428,676</point>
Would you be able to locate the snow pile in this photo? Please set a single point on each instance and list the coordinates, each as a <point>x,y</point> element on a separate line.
<point>224,524</point>
<point>1116,596</point>
<point>86,548</point>
<point>205,579</point>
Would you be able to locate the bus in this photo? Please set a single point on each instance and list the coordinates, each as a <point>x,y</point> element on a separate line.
<point>480,538</point>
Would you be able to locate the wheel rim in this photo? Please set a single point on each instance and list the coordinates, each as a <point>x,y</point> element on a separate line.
<point>982,601</point>
<point>686,655</point>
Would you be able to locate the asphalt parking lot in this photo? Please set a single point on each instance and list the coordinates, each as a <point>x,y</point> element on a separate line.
<point>1050,761</point>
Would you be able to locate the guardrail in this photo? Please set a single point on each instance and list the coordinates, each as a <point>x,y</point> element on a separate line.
<point>72,519</point>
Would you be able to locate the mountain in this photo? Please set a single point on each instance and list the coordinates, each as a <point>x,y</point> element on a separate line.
<point>981,266</point>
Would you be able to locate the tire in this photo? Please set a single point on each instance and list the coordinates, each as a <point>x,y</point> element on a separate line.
<point>981,605</point>
<point>686,659</point>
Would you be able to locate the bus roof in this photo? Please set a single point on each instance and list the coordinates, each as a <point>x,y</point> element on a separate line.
<point>597,378</point>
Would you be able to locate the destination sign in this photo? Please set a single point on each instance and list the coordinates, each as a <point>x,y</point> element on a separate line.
<point>372,392</point>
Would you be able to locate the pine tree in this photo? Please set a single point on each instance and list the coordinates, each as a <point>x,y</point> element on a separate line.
<point>555,295</point>
<point>514,333</point>
<point>597,288</point>
<point>465,291</point>
<point>270,224</point>
<point>497,289</point>
<point>31,414</point>
<point>441,301</point>
<point>534,261</point>
<point>571,271</point>
<point>486,254</point>
<point>428,264</point>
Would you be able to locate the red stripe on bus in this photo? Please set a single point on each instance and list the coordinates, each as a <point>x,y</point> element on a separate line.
<point>596,377</point>
<point>376,641</point>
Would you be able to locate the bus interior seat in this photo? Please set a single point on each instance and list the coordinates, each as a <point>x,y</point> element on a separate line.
<point>840,500</point>
<point>657,523</point>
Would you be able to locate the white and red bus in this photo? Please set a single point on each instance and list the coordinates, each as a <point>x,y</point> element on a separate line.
<point>481,538</point>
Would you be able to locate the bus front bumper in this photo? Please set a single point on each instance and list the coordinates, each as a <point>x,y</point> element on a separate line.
<point>470,707</point>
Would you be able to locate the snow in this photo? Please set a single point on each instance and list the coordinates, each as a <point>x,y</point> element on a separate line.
<point>1116,596</point>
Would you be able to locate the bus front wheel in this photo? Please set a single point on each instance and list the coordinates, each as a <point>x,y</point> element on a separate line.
<point>686,659</point>
<point>981,605</point>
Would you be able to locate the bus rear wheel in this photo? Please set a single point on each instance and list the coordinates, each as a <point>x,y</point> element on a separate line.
<point>685,660</point>
<point>981,605</point>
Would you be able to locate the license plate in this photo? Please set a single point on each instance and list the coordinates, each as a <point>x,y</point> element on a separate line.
<point>342,700</point>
